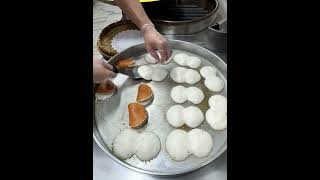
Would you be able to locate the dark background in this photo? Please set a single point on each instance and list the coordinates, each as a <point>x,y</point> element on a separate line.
<point>46,83</point>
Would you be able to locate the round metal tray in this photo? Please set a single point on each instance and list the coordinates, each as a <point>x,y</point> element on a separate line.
<point>111,116</point>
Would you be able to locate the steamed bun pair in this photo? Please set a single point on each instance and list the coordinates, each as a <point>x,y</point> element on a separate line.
<point>212,81</point>
<point>185,75</point>
<point>153,70</point>
<point>183,59</point>
<point>180,144</point>
<point>181,94</point>
<point>177,116</point>
<point>146,145</point>
<point>216,116</point>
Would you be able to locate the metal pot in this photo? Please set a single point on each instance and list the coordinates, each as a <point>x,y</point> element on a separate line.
<point>217,37</point>
<point>184,27</point>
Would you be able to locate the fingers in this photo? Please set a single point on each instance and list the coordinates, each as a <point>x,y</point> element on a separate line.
<point>152,52</point>
<point>102,70</point>
<point>103,75</point>
<point>168,50</point>
<point>163,54</point>
<point>109,69</point>
<point>107,65</point>
<point>106,82</point>
<point>157,45</point>
<point>110,74</point>
<point>164,50</point>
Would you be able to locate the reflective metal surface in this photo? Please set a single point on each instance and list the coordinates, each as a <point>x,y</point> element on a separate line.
<point>104,168</point>
<point>111,117</point>
<point>188,26</point>
<point>203,39</point>
<point>222,11</point>
<point>210,38</point>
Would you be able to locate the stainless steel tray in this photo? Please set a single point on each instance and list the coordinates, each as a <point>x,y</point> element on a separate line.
<point>111,117</point>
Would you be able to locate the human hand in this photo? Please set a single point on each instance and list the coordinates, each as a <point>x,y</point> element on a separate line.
<point>101,70</point>
<point>154,42</point>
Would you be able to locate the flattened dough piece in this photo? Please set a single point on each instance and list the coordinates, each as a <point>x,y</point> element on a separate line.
<point>216,119</point>
<point>208,71</point>
<point>145,72</point>
<point>193,116</point>
<point>195,95</point>
<point>200,142</point>
<point>191,77</point>
<point>178,94</point>
<point>159,74</point>
<point>194,62</point>
<point>181,59</point>
<point>177,74</point>
<point>124,145</point>
<point>218,102</point>
<point>150,60</point>
<point>175,116</point>
<point>177,145</point>
<point>214,83</point>
<point>152,72</point>
<point>148,146</point>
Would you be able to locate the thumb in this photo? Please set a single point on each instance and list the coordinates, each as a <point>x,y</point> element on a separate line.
<point>107,65</point>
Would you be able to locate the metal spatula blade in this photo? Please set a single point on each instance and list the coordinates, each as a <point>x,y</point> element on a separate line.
<point>131,72</point>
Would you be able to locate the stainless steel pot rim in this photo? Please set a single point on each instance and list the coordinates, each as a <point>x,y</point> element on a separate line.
<point>157,173</point>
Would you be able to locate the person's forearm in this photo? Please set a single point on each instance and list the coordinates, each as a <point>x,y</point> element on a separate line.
<point>134,10</point>
<point>155,43</point>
